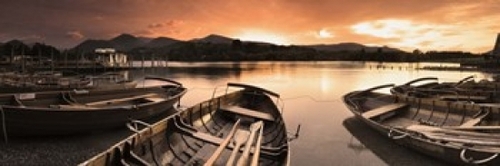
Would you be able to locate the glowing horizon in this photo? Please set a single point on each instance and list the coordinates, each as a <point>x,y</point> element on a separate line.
<point>407,25</point>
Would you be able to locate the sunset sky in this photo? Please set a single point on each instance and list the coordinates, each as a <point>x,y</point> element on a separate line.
<point>446,25</point>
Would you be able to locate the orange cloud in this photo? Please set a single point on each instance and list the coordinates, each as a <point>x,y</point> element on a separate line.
<point>75,35</point>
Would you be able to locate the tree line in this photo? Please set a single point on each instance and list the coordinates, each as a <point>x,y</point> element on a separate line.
<point>239,51</point>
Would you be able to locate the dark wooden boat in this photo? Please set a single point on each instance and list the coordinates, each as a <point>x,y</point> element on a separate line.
<point>457,132</point>
<point>55,81</point>
<point>465,90</point>
<point>68,112</point>
<point>201,135</point>
<point>111,80</point>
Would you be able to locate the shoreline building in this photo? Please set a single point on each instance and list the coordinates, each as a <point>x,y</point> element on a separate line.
<point>109,57</point>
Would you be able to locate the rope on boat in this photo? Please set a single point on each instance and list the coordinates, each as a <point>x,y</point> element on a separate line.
<point>472,161</point>
<point>4,128</point>
<point>392,136</point>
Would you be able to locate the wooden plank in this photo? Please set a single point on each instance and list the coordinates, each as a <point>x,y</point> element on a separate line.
<point>383,110</point>
<point>155,99</point>
<point>207,138</point>
<point>248,112</point>
<point>72,107</point>
<point>120,99</point>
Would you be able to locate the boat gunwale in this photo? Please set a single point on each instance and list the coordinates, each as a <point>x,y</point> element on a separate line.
<point>408,139</point>
<point>160,126</point>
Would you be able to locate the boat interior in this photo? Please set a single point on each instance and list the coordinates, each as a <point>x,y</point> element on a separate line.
<point>79,99</point>
<point>240,128</point>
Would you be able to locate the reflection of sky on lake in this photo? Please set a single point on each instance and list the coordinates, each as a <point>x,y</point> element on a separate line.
<point>311,93</point>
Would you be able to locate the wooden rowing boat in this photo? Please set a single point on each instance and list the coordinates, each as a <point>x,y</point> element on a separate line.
<point>457,132</point>
<point>47,81</point>
<point>207,134</point>
<point>465,90</point>
<point>83,111</point>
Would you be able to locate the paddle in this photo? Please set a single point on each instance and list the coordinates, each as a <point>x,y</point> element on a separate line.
<point>243,161</point>
<point>240,137</point>
<point>256,152</point>
<point>450,131</point>
<point>222,146</point>
<point>465,137</point>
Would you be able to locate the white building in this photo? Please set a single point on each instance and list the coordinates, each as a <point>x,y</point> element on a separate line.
<point>108,57</point>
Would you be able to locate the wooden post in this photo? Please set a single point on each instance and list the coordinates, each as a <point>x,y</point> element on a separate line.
<point>52,60</point>
<point>142,62</point>
<point>65,59</point>
<point>153,59</point>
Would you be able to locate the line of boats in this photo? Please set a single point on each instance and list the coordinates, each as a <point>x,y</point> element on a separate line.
<point>242,127</point>
<point>457,122</point>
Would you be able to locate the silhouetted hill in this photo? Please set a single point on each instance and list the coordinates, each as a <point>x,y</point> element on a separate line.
<point>145,39</point>
<point>126,42</point>
<point>15,43</point>
<point>90,45</point>
<point>123,42</point>
<point>161,42</point>
<point>350,47</point>
<point>213,38</point>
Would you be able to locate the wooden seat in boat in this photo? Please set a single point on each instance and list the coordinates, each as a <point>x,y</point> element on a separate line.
<point>248,112</point>
<point>387,110</point>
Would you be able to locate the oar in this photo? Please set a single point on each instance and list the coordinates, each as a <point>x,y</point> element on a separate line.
<point>491,128</point>
<point>256,151</point>
<point>243,161</point>
<point>222,146</point>
<point>457,136</point>
<point>240,137</point>
<point>431,129</point>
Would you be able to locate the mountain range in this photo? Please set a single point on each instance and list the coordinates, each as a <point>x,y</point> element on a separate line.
<point>127,42</point>
<point>124,42</point>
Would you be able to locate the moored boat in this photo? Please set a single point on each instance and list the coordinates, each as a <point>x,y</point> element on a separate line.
<point>82,111</point>
<point>465,90</point>
<point>456,132</point>
<point>201,134</point>
<point>55,81</point>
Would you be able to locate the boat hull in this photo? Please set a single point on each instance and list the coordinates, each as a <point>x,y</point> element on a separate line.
<point>449,151</point>
<point>191,137</point>
<point>47,113</point>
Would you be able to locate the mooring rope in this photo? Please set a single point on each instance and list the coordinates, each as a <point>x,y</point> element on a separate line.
<point>311,98</point>
<point>307,96</point>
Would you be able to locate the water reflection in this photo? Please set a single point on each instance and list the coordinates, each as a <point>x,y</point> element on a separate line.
<point>311,92</point>
<point>382,146</point>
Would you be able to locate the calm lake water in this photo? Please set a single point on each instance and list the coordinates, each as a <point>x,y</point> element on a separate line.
<point>311,93</point>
